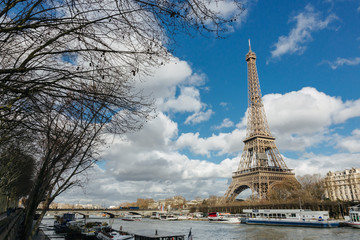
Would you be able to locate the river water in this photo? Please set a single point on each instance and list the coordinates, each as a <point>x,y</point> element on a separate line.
<point>221,231</point>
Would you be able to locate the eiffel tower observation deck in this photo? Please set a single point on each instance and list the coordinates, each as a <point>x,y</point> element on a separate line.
<point>261,166</point>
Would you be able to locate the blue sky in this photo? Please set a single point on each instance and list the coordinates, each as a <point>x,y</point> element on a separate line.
<point>308,61</point>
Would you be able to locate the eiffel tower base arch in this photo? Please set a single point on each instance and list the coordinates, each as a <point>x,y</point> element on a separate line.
<point>260,180</point>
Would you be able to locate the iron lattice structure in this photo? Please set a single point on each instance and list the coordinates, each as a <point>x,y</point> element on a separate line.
<point>261,165</point>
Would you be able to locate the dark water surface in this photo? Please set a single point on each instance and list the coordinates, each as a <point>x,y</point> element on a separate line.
<point>222,231</point>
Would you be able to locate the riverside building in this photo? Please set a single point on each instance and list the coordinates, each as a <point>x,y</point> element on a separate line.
<point>343,185</point>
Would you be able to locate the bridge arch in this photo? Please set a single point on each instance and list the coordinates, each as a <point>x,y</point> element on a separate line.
<point>134,213</point>
<point>111,215</point>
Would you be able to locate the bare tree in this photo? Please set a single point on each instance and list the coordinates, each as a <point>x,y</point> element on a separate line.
<point>60,47</point>
<point>284,191</point>
<point>66,149</point>
<point>16,173</point>
<point>312,187</point>
<point>67,75</point>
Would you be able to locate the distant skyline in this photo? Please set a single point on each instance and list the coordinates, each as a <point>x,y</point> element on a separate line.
<point>308,61</point>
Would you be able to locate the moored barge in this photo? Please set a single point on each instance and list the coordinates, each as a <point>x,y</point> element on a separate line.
<point>290,217</point>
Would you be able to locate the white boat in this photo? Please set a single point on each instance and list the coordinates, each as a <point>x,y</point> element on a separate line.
<point>231,218</point>
<point>131,217</point>
<point>155,215</point>
<point>184,217</point>
<point>224,217</point>
<point>354,214</point>
<point>214,216</point>
<point>114,236</point>
<point>168,217</point>
<point>290,217</point>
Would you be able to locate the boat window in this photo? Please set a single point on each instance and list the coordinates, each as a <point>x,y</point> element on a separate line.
<point>293,215</point>
<point>283,216</point>
<point>265,214</point>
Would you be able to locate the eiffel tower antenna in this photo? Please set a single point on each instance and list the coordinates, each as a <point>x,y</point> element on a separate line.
<point>261,164</point>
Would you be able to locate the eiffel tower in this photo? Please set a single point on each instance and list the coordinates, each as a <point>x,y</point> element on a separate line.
<point>261,165</point>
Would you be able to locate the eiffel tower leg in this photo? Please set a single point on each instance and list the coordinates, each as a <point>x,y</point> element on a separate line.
<point>230,193</point>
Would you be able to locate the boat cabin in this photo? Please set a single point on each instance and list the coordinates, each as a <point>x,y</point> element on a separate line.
<point>159,236</point>
<point>354,213</point>
<point>287,214</point>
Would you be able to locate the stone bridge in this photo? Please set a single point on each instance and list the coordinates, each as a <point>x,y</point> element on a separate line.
<point>112,213</point>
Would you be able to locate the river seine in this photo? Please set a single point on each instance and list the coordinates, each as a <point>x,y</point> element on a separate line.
<point>221,231</point>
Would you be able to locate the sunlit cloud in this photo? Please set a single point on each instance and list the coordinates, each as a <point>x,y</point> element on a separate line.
<point>226,123</point>
<point>350,143</point>
<point>302,119</point>
<point>152,160</point>
<point>307,22</point>
<point>224,104</point>
<point>199,117</point>
<point>339,62</point>
<point>221,144</point>
<point>230,8</point>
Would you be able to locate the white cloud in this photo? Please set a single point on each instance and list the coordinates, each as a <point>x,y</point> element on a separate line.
<point>307,22</point>
<point>223,104</point>
<point>149,163</point>
<point>298,119</point>
<point>199,117</point>
<point>196,79</point>
<point>226,123</point>
<point>158,133</point>
<point>175,88</point>
<point>343,61</point>
<point>301,112</point>
<point>304,118</point>
<point>312,163</point>
<point>229,8</point>
<point>164,80</point>
<point>224,143</point>
<point>350,109</point>
<point>187,101</point>
<point>351,143</point>
<point>145,165</point>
